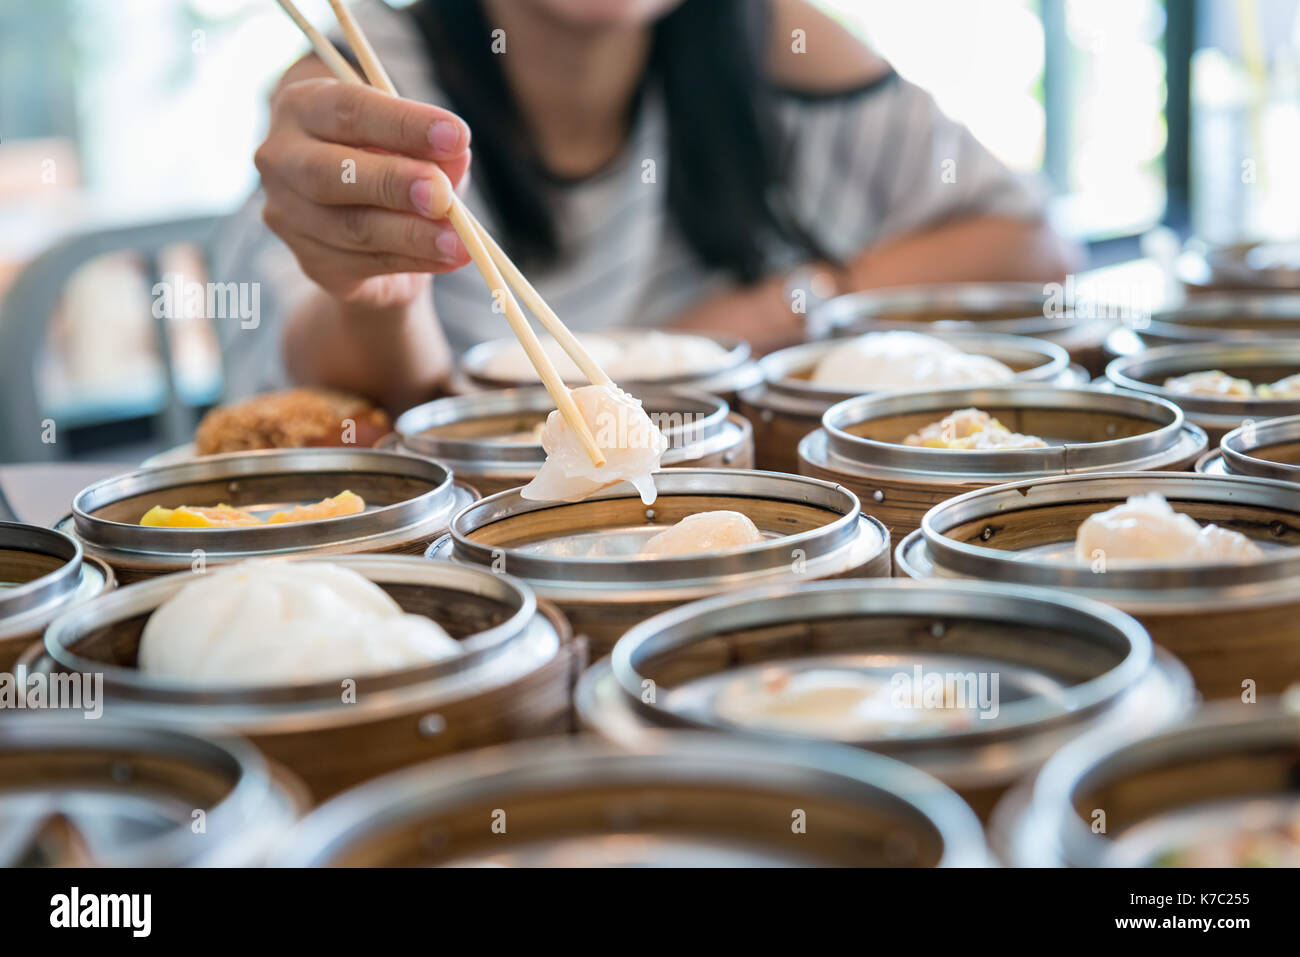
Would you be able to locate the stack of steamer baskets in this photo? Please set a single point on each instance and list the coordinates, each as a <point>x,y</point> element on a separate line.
<point>861,443</point>
<point>585,556</point>
<point>787,405</point>
<point>490,439</point>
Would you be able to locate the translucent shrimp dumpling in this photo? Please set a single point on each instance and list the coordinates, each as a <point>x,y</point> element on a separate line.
<point>704,532</point>
<point>902,360</point>
<point>632,443</point>
<point>1147,529</point>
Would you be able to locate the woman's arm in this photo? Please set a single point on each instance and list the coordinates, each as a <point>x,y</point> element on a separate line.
<point>979,248</point>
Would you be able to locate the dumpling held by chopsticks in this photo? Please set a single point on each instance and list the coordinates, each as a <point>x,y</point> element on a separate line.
<point>631,442</point>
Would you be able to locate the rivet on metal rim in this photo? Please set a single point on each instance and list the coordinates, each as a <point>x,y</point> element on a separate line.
<point>878,495</point>
<point>1111,428</point>
<point>729,456</point>
<point>987,533</point>
<point>766,415</point>
<point>432,725</point>
<point>937,629</point>
<point>649,515</point>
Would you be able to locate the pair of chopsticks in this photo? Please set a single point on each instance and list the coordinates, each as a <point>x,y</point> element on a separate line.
<point>491,261</point>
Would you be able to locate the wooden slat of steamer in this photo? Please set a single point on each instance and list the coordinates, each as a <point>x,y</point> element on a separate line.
<point>776,435</point>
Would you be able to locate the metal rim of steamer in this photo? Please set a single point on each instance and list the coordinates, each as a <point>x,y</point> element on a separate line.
<point>242,825</point>
<point>739,355</point>
<point>782,389</point>
<point>844,531</point>
<point>431,508</point>
<point>1269,581</point>
<point>513,772</point>
<point>1134,373</point>
<point>483,649</point>
<point>1163,444</point>
<point>967,302</point>
<point>707,427</point>
<point>677,629</point>
<point>1225,318</point>
<point>43,594</point>
<point>1237,446</point>
<point>1040,825</point>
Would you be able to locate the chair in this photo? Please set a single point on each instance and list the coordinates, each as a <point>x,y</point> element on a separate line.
<point>29,303</point>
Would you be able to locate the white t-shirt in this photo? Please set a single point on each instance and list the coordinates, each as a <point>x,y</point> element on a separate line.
<point>866,164</point>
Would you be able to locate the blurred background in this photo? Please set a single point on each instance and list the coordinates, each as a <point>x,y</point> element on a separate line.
<point>1183,114</point>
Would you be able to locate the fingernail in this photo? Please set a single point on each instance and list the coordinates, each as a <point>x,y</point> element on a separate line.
<point>445,137</point>
<point>449,244</point>
<point>422,197</point>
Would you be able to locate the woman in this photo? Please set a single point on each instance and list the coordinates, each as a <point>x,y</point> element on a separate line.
<point>683,163</point>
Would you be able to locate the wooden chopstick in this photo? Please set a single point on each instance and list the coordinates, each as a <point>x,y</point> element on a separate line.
<point>539,308</point>
<point>324,49</point>
<point>480,247</point>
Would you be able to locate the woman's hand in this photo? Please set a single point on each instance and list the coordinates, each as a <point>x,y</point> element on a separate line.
<point>351,187</point>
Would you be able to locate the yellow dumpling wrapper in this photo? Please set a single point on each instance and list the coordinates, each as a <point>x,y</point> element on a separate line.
<point>192,516</point>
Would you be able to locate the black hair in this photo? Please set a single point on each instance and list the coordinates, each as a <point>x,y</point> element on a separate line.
<point>727,158</point>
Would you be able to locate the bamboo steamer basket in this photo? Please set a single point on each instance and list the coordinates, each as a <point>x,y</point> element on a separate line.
<point>1228,770</point>
<point>1238,319</point>
<point>1009,308</point>
<point>77,793</point>
<point>1238,267</point>
<point>477,435</point>
<point>686,800</point>
<point>583,555</point>
<point>1265,449</point>
<point>738,370</point>
<point>1226,623</point>
<point>409,502</point>
<point>860,444</point>
<point>513,680</point>
<point>787,405</point>
<point>42,572</point>
<point>1261,362</point>
<point>1064,665</point>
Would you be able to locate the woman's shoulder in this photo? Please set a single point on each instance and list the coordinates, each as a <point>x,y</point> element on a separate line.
<point>813,56</point>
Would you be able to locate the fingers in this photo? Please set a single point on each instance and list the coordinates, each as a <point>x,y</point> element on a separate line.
<point>336,269</point>
<point>360,116</point>
<point>335,175</point>
<point>367,229</point>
